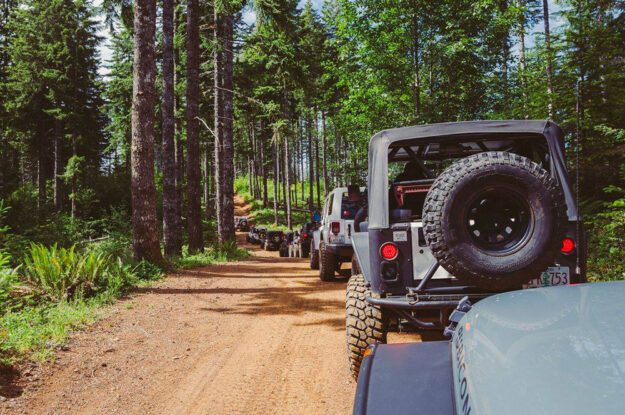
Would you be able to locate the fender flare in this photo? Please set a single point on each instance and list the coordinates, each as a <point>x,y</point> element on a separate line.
<point>360,242</point>
<point>316,239</point>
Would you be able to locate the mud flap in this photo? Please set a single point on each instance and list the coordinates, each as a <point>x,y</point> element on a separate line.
<point>360,242</point>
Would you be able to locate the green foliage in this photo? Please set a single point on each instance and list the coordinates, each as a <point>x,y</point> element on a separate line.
<point>9,285</point>
<point>35,331</point>
<point>60,274</point>
<point>212,255</point>
<point>606,231</point>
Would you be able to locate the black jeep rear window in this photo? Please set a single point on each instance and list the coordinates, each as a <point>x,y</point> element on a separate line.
<point>349,208</point>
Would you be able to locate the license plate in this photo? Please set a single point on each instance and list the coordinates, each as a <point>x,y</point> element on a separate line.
<point>552,276</point>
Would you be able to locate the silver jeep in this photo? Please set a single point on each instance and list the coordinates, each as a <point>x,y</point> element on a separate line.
<point>459,209</point>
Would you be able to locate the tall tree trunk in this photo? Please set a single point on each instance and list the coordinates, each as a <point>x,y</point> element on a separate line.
<point>255,151</point>
<point>74,186</point>
<point>276,167</point>
<point>171,215</point>
<point>227,203</point>
<point>145,239</point>
<point>522,58</point>
<point>416,63</point>
<point>41,177</point>
<point>218,112</point>
<point>179,142</point>
<point>317,169</point>
<point>287,177</point>
<point>326,183</point>
<point>311,165</point>
<point>549,67</point>
<point>59,162</point>
<point>295,169</point>
<point>301,160</point>
<point>505,55</point>
<point>206,171</point>
<point>263,168</point>
<point>194,203</point>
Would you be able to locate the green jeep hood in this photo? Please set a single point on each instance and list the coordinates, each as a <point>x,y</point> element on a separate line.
<point>558,350</point>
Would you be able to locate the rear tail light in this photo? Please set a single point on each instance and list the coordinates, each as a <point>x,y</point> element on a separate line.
<point>336,227</point>
<point>568,246</point>
<point>389,251</point>
<point>346,213</point>
<point>305,235</point>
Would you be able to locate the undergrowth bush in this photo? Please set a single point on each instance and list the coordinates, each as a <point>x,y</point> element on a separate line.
<point>213,254</point>
<point>60,274</point>
<point>35,331</point>
<point>9,285</point>
<point>606,231</point>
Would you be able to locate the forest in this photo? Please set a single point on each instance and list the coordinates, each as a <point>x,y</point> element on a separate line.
<point>124,166</point>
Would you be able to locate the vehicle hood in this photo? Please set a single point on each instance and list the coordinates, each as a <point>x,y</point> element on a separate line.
<point>558,350</point>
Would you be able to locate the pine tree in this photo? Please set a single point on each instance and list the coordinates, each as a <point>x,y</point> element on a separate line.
<point>145,239</point>
<point>194,216</point>
<point>172,226</point>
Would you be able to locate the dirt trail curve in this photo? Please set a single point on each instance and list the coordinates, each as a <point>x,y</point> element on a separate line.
<point>262,336</point>
<point>240,207</point>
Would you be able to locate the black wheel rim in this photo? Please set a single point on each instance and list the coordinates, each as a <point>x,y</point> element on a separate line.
<point>499,220</point>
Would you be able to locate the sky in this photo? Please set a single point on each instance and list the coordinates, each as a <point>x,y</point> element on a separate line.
<point>249,17</point>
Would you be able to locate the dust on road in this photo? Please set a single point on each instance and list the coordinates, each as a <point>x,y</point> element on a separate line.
<point>262,336</point>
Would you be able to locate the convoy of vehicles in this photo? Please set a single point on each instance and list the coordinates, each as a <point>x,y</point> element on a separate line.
<point>477,208</point>
<point>462,219</point>
<point>331,244</point>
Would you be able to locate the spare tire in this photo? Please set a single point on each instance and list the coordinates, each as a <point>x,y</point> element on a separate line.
<point>494,220</point>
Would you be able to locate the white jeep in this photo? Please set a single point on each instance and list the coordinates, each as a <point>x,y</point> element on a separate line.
<point>331,244</point>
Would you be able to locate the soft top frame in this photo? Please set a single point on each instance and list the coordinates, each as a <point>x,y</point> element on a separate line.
<point>460,131</point>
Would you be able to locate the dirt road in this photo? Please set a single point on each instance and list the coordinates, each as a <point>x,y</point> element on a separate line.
<point>263,336</point>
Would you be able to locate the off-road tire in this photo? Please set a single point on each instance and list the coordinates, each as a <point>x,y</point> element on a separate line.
<point>314,257</point>
<point>365,324</point>
<point>305,252</point>
<point>355,265</point>
<point>448,206</point>
<point>327,264</point>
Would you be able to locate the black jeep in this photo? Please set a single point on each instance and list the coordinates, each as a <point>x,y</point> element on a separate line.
<point>475,208</point>
<point>305,238</point>
<point>272,240</point>
<point>284,249</point>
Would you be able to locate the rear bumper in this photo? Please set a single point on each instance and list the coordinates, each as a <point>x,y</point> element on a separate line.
<point>341,250</point>
<point>413,308</point>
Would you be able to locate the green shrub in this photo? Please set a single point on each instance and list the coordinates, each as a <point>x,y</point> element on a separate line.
<point>35,331</point>
<point>9,285</point>
<point>60,274</point>
<point>606,231</point>
<point>212,255</point>
<point>119,278</point>
<point>147,271</point>
<point>117,246</point>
